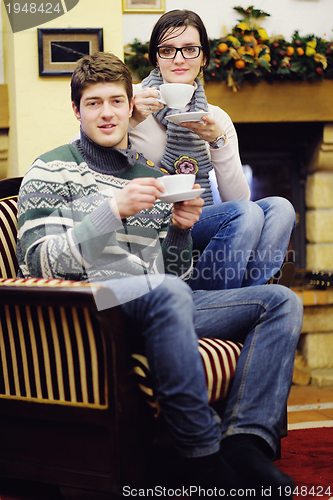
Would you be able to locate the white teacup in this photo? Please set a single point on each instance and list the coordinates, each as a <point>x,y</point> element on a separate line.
<point>176,95</point>
<point>178,183</point>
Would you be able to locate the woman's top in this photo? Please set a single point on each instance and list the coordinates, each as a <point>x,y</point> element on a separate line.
<point>150,139</point>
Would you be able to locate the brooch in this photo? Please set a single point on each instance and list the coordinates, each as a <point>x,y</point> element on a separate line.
<point>186,165</point>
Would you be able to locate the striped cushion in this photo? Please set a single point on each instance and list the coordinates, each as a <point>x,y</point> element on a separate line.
<point>8,234</point>
<point>219,359</point>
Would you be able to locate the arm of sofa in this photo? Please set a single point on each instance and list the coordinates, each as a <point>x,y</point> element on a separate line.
<point>40,291</point>
<point>78,353</point>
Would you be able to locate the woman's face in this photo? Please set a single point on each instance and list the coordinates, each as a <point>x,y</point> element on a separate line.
<point>180,70</point>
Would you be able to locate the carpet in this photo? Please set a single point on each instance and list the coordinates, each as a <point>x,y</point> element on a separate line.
<point>307,456</point>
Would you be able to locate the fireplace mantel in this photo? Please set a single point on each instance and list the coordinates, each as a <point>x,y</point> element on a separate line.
<point>274,102</point>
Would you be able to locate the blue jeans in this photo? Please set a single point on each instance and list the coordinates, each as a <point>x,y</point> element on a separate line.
<point>241,243</point>
<point>266,319</point>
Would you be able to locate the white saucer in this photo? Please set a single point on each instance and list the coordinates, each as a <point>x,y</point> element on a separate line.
<point>186,195</point>
<point>190,116</point>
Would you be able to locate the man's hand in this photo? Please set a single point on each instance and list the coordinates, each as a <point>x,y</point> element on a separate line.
<point>139,194</point>
<point>185,214</point>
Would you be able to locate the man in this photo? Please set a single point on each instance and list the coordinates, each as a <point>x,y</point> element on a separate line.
<point>91,211</point>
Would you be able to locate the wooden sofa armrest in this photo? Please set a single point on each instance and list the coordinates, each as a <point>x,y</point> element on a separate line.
<point>34,292</point>
<point>40,291</point>
<point>58,294</point>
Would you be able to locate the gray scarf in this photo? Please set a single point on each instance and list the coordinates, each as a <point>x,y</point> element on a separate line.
<point>185,151</point>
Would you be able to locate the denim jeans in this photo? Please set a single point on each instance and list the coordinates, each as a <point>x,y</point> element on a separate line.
<point>241,243</point>
<point>266,319</point>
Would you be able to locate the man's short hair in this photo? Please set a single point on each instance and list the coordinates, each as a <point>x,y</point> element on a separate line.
<point>99,67</point>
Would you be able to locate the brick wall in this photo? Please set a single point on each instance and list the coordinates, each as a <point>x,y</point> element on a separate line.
<point>319,203</point>
<point>317,334</point>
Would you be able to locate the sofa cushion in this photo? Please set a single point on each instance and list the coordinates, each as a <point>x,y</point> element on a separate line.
<point>8,235</point>
<point>219,358</point>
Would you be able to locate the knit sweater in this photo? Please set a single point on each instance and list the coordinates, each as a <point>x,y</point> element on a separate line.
<point>67,230</point>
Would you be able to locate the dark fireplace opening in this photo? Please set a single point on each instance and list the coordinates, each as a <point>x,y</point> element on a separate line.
<point>275,158</point>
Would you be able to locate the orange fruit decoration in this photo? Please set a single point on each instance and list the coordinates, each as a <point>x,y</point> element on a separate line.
<point>290,50</point>
<point>300,51</point>
<point>240,63</point>
<point>249,40</point>
<point>222,47</point>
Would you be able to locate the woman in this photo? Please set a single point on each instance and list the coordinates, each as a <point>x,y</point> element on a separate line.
<point>239,242</point>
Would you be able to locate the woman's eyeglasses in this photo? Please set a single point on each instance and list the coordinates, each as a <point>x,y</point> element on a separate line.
<point>189,52</point>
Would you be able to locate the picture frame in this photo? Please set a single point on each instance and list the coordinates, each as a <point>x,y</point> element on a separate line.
<point>60,48</point>
<point>143,6</point>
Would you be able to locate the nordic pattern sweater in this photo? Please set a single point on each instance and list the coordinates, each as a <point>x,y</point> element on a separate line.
<point>67,230</point>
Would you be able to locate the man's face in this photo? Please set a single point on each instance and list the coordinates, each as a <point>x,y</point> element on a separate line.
<point>104,114</point>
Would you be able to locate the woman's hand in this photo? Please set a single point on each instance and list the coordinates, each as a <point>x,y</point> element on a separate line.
<point>145,103</point>
<point>209,130</point>
<point>185,214</point>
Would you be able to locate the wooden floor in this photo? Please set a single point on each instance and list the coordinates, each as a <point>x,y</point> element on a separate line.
<point>310,407</point>
<point>307,407</point>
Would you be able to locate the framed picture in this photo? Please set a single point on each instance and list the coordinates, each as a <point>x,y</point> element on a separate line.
<point>59,49</point>
<point>143,6</point>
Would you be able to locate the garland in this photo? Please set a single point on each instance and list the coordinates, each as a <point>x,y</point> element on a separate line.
<point>249,54</point>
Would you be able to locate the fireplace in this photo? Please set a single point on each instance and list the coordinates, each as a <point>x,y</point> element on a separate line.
<point>295,160</point>
<point>285,134</point>
<point>286,137</point>
<point>275,158</point>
